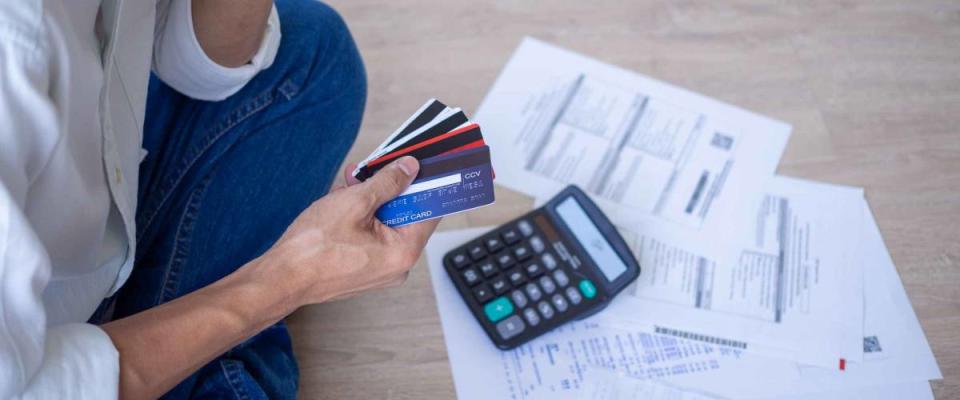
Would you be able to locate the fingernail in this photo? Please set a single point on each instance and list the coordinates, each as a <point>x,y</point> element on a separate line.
<point>408,165</point>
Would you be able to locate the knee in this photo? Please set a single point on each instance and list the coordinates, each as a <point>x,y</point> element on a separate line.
<point>317,46</point>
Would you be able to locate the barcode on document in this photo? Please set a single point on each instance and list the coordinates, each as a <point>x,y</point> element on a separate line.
<point>701,338</point>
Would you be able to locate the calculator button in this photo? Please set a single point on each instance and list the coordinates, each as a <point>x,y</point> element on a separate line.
<point>516,277</point>
<point>498,309</point>
<point>533,291</point>
<point>525,228</point>
<point>547,284</point>
<point>560,277</point>
<point>549,261</point>
<point>559,302</point>
<point>534,270</point>
<point>471,276</point>
<point>587,288</point>
<point>510,327</point>
<point>500,285</point>
<point>522,252</point>
<point>460,260</point>
<point>488,269</point>
<point>483,293</point>
<point>477,252</point>
<point>493,244</point>
<point>518,298</point>
<point>531,316</point>
<point>505,260</point>
<point>573,295</point>
<point>510,237</point>
<point>545,310</point>
<point>537,243</point>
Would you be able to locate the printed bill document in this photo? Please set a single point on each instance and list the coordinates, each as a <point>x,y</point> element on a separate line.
<point>650,154</point>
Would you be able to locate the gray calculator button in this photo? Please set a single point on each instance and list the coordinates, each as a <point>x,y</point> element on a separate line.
<point>574,295</point>
<point>477,252</point>
<point>500,285</point>
<point>525,228</point>
<point>561,278</point>
<point>510,327</point>
<point>532,317</point>
<point>517,277</point>
<point>537,244</point>
<point>534,292</point>
<point>510,237</point>
<point>494,244</point>
<point>519,299</point>
<point>471,276</point>
<point>522,253</point>
<point>460,260</point>
<point>483,293</point>
<point>547,284</point>
<point>559,302</point>
<point>505,260</point>
<point>549,261</point>
<point>545,309</point>
<point>488,269</point>
<point>533,270</point>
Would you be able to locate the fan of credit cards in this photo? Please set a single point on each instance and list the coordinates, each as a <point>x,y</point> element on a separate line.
<point>455,171</point>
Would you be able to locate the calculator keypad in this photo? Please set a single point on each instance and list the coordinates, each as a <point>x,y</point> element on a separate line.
<point>518,280</point>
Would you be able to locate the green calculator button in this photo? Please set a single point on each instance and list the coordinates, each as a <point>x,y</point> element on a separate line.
<point>587,288</point>
<point>498,309</point>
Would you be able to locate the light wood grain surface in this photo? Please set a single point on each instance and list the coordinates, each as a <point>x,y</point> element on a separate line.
<point>872,89</point>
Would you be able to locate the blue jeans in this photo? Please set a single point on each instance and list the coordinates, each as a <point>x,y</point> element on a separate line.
<point>222,181</point>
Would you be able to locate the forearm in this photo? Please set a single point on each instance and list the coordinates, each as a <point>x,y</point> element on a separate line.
<point>230,31</point>
<point>163,345</point>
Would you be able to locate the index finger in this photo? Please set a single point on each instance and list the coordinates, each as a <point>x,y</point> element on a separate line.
<point>348,174</point>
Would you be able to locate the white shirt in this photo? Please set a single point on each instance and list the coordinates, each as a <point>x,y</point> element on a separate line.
<point>73,82</point>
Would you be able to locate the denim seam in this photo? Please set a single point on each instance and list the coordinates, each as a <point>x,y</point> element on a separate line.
<point>237,116</point>
<point>229,368</point>
<point>181,244</point>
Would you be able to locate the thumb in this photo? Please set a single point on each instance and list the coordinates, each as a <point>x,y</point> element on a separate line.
<point>391,180</point>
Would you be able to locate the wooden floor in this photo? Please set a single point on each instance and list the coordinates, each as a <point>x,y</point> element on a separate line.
<point>872,89</point>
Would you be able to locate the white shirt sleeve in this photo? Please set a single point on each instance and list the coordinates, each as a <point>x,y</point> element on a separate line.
<point>36,361</point>
<point>181,63</point>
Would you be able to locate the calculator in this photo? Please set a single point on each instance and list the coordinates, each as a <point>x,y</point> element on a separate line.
<point>561,262</point>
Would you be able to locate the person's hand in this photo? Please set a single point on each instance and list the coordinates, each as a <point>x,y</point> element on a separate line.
<point>337,247</point>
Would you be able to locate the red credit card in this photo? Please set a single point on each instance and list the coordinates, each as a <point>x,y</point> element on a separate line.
<point>460,139</point>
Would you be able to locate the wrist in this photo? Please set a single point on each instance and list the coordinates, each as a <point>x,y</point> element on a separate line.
<point>283,287</point>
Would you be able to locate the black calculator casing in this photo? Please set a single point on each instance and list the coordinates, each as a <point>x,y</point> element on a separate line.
<point>560,241</point>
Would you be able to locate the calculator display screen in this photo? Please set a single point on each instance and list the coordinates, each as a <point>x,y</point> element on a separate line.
<point>590,238</point>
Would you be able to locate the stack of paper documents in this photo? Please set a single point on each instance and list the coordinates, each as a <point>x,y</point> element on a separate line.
<point>752,285</point>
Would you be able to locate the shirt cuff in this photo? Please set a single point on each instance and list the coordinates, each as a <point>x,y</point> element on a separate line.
<point>180,61</point>
<point>79,361</point>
